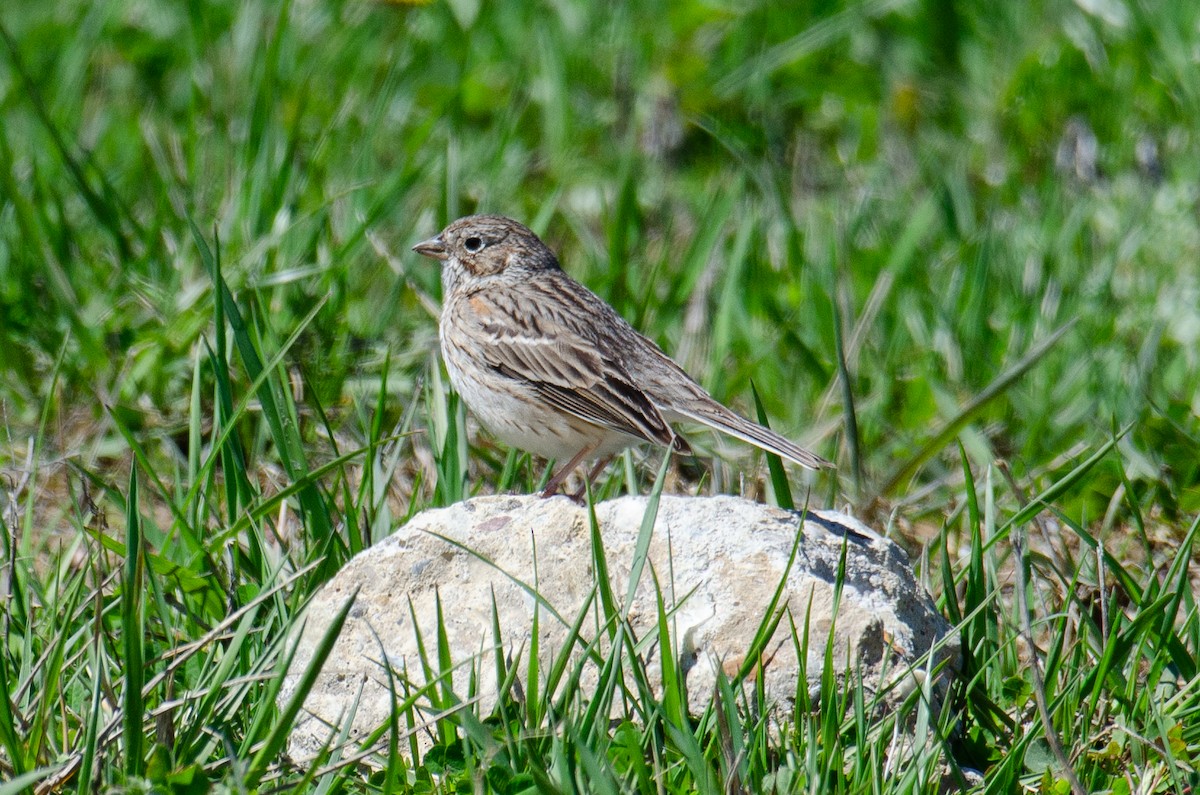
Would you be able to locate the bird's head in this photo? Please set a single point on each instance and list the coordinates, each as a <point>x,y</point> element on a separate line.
<point>479,246</point>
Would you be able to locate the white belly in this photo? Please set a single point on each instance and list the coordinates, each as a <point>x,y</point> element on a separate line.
<point>521,419</point>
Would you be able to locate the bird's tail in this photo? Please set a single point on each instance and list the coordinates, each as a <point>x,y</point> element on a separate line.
<point>719,418</point>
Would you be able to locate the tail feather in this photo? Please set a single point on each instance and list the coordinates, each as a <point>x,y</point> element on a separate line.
<point>722,419</point>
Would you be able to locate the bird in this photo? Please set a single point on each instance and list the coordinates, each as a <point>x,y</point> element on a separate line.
<point>550,368</point>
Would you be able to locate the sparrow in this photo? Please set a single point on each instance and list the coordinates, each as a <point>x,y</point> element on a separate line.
<point>550,368</point>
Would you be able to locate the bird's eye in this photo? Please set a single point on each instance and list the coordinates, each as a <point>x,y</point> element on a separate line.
<point>473,244</point>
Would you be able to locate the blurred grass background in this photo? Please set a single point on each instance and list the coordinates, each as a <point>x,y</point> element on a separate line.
<point>917,194</point>
<point>951,181</point>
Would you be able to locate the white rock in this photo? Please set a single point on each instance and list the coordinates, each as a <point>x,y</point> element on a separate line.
<point>718,560</point>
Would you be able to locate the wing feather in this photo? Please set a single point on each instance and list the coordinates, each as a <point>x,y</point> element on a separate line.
<point>559,356</point>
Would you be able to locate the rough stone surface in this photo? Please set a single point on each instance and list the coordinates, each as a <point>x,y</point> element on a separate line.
<point>718,560</point>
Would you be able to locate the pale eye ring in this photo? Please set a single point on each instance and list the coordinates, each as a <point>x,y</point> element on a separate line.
<point>473,244</point>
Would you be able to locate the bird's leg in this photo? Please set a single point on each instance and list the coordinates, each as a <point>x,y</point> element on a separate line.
<point>561,475</point>
<point>591,478</point>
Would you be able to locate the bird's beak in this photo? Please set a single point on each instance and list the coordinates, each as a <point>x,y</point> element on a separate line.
<point>433,247</point>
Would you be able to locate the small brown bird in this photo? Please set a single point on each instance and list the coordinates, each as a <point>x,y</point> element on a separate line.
<point>550,368</point>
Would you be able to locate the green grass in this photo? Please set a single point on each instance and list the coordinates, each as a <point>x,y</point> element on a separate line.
<point>218,376</point>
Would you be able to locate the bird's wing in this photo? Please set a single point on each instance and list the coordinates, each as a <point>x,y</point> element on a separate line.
<point>551,346</point>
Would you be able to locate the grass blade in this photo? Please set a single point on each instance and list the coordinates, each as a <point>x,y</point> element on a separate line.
<point>286,716</point>
<point>133,631</point>
<point>779,479</point>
